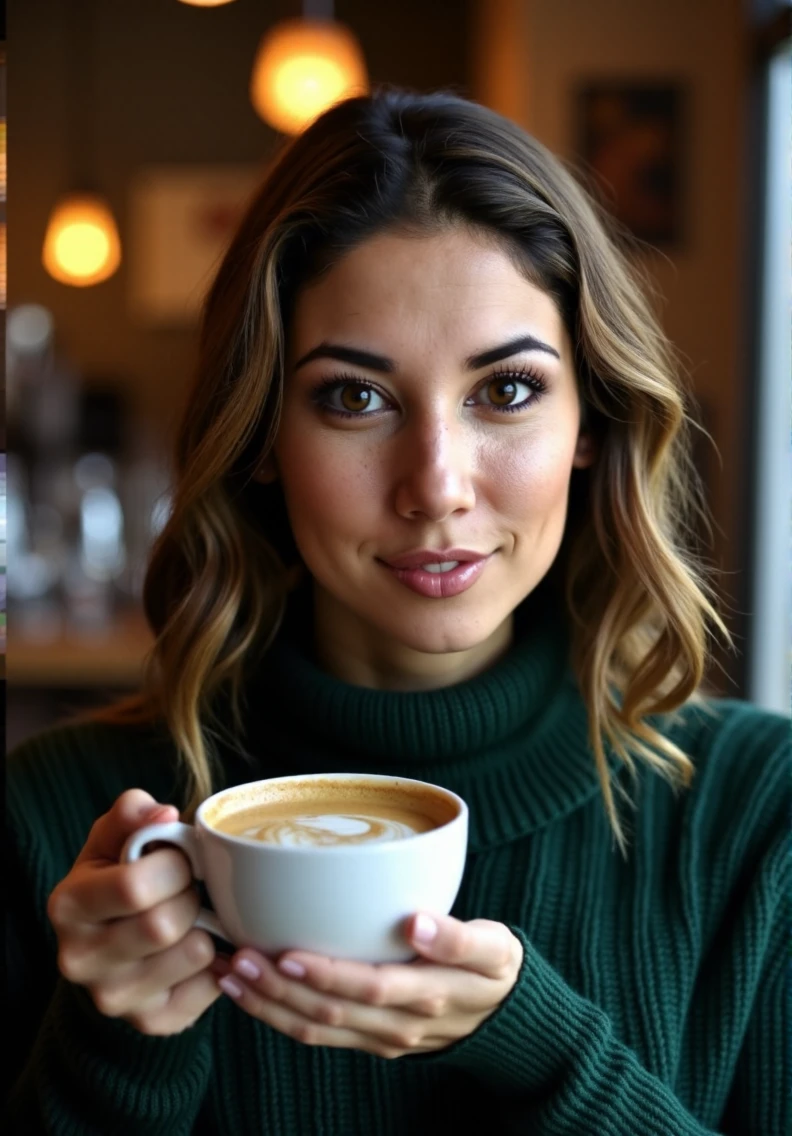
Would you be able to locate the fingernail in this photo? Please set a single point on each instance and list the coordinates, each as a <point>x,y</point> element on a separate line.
<point>247,969</point>
<point>424,929</point>
<point>230,986</point>
<point>292,968</point>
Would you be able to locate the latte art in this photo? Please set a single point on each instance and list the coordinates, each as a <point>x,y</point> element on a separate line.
<point>323,813</point>
<point>321,830</point>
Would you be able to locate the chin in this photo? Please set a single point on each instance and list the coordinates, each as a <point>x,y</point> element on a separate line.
<point>444,636</point>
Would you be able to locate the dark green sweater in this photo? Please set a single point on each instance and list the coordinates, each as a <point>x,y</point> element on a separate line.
<point>651,1001</point>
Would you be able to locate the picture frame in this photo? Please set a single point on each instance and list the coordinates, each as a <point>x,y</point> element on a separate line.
<point>181,221</point>
<point>630,136</point>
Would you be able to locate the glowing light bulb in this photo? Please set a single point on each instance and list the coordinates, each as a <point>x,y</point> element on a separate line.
<point>302,67</point>
<point>81,245</point>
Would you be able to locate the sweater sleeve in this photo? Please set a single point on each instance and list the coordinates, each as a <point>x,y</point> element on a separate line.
<point>79,1071</point>
<point>90,1075</point>
<point>73,1070</point>
<point>552,1056</point>
<point>558,1061</point>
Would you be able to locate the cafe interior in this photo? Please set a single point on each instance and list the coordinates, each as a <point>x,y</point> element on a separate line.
<point>138,130</point>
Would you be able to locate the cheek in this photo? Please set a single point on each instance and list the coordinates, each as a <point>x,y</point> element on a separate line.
<point>326,487</point>
<point>531,479</point>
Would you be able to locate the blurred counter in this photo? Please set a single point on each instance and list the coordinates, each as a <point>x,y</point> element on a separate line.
<point>111,658</point>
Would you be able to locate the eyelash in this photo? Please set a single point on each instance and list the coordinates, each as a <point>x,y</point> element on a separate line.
<point>522,374</point>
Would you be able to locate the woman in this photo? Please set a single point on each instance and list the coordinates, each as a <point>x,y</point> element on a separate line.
<point>429,519</point>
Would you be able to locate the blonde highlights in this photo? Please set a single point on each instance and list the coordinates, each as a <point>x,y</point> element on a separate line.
<point>219,575</point>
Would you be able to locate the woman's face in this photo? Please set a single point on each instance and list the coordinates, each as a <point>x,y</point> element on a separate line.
<point>430,406</point>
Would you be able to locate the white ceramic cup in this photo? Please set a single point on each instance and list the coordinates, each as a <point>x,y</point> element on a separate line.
<point>346,901</point>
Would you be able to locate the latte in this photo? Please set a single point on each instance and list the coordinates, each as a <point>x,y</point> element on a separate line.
<point>326,862</point>
<point>325,814</point>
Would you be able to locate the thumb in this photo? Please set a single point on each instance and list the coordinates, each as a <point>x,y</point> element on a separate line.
<point>131,811</point>
<point>480,945</point>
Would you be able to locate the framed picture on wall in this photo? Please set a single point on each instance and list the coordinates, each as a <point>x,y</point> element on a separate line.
<point>181,220</point>
<point>630,137</point>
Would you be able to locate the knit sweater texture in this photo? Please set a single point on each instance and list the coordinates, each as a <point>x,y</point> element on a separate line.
<point>653,998</point>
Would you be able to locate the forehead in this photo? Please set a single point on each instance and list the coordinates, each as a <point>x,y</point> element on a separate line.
<point>414,294</point>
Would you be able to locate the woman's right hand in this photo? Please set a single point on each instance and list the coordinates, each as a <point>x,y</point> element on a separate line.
<point>125,931</point>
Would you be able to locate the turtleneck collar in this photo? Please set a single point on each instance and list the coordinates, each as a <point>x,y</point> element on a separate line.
<point>511,741</point>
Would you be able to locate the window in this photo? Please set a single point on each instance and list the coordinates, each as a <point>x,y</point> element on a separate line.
<point>769,646</point>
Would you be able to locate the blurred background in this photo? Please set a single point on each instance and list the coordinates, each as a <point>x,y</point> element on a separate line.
<point>137,130</point>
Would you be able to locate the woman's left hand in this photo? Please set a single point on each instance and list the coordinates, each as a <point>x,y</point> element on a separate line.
<point>464,972</point>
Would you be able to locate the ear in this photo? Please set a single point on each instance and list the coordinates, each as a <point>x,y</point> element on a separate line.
<point>585,451</point>
<point>266,471</point>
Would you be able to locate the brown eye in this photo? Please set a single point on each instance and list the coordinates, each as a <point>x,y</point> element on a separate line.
<point>349,398</point>
<point>502,392</point>
<point>508,392</point>
<point>355,398</point>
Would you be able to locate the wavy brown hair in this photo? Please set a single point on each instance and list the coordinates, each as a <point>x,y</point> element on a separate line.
<point>219,575</point>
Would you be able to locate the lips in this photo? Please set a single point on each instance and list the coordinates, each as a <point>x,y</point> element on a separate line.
<point>411,570</point>
<point>424,556</point>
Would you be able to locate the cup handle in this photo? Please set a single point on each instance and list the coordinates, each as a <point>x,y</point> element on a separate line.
<point>184,837</point>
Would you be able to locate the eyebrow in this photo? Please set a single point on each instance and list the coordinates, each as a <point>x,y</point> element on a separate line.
<point>387,366</point>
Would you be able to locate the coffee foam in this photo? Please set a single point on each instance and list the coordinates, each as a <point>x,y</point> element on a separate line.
<point>323,830</point>
<point>347,797</point>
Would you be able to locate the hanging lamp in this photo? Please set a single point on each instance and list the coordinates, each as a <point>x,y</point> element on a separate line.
<point>303,66</point>
<point>206,3</point>
<point>81,243</point>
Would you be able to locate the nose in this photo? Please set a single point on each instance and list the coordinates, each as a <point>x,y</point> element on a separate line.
<point>436,470</point>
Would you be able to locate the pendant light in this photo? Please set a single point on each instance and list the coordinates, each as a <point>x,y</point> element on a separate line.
<point>303,66</point>
<point>81,244</point>
<point>206,3</point>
